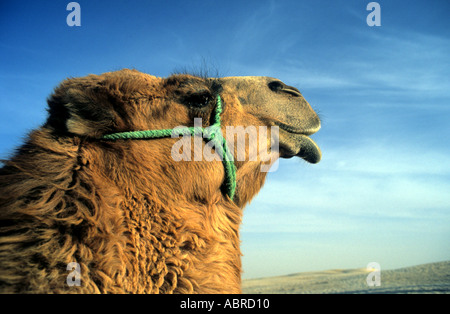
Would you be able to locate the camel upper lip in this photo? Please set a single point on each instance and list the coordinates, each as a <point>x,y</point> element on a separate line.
<point>298,144</point>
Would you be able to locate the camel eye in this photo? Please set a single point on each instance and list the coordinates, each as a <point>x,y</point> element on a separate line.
<point>197,100</point>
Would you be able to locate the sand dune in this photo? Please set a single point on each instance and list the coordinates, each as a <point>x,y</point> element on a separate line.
<point>426,278</point>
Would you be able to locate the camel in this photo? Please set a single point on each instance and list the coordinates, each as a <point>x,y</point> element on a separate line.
<point>81,213</point>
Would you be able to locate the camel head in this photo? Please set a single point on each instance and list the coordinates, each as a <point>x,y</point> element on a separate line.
<point>129,100</point>
<point>275,103</point>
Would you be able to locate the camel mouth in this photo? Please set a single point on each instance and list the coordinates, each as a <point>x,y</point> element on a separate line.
<point>299,145</point>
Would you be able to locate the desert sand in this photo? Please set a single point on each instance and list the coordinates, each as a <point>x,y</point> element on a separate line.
<point>426,278</point>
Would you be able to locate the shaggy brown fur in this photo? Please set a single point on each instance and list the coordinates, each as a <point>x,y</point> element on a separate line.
<point>135,220</point>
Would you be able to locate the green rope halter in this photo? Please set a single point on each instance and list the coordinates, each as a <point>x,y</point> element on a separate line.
<point>213,134</point>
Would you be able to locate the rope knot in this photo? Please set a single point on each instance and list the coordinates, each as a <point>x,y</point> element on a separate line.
<point>211,132</point>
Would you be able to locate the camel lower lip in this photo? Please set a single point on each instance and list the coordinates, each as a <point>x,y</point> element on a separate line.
<point>309,150</point>
<point>299,145</point>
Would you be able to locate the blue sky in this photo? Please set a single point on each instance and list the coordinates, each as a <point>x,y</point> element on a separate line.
<point>380,193</point>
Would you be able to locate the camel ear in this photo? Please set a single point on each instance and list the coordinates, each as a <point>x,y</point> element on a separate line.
<point>82,109</point>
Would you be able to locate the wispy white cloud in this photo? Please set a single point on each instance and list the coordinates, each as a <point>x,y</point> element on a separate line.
<point>366,190</point>
<point>382,156</point>
<point>385,61</point>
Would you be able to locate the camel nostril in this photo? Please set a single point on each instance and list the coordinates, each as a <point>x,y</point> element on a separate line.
<point>275,86</point>
<point>292,90</point>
